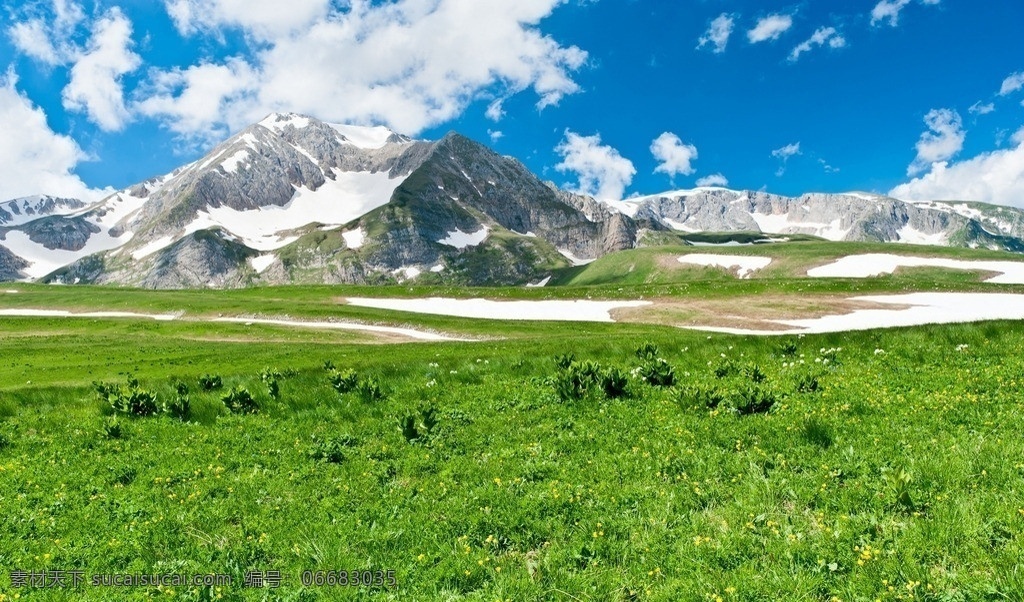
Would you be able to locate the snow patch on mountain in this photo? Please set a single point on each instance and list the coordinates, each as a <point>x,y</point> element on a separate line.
<point>911,235</point>
<point>277,122</point>
<point>460,240</point>
<point>231,163</point>
<point>262,262</point>
<point>25,209</point>
<point>780,224</point>
<point>152,247</point>
<point>42,261</point>
<point>574,260</point>
<point>354,238</point>
<point>346,198</point>
<point>363,136</point>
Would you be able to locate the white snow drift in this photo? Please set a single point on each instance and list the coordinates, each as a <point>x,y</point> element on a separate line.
<point>923,308</point>
<point>460,240</point>
<point>876,264</point>
<point>745,264</point>
<point>563,310</point>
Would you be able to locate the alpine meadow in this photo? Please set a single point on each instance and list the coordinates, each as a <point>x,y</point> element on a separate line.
<point>373,301</point>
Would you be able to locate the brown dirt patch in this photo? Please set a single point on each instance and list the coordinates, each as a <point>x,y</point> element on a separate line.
<point>752,312</point>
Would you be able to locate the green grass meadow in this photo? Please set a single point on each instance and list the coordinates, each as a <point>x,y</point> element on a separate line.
<point>549,461</point>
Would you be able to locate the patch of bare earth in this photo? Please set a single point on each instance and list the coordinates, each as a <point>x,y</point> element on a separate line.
<point>750,312</point>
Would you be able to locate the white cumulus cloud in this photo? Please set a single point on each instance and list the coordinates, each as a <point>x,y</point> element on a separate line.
<point>713,180</point>
<point>34,159</point>
<point>602,172</point>
<point>992,177</point>
<point>673,155</point>
<point>944,139</point>
<point>408,64</point>
<point>718,33</point>
<point>783,154</point>
<point>889,10</point>
<point>47,37</point>
<point>95,85</point>
<point>821,37</point>
<point>195,101</point>
<point>770,28</point>
<point>266,19</point>
<point>1012,83</point>
<point>787,151</point>
<point>980,108</point>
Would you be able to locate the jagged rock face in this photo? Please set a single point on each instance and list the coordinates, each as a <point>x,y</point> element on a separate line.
<point>262,167</point>
<point>59,232</point>
<point>19,211</point>
<point>830,216</point>
<point>11,265</point>
<point>200,260</point>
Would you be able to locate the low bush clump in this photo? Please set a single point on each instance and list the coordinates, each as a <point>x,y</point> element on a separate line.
<point>345,381</point>
<point>129,398</point>
<point>370,390</point>
<point>270,378</point>
<point>658,373</point>
<point>238,400</point>
<point>209,382</point>
<point>755,400</point>
<point>180,407</point>
<point>419,430</point>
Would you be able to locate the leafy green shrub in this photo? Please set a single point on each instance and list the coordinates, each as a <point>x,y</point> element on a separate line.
<point>414,430</point>
<point>239,401</point>
<point>344,382</point>
<point>807,383</point>
<point>614,382</point>
<point>565,360</point>
<point>755,374</point>
<point>112,428</point>
<point>209,382</point>
<point>701,396</point>
<point>726,369</point>
<point>647,352</point>
<point>270,376</point>
<point>329,366</point>
<point>658,373</point>
<point>130,398</point>
<point>574,381</point>
<point>788,349</point>
<point>5,441</point>
<point>180,407</point>
<point>755,400</point>
<point>370,390</point>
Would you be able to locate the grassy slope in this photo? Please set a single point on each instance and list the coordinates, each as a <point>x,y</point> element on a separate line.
<point>900,471</point>
<point>520,495</point>
<point>659,265</point>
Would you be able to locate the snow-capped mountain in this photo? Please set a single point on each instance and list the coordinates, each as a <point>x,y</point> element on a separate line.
<point>852,216</point>
<point>19,211</point>
<point>295,200</point>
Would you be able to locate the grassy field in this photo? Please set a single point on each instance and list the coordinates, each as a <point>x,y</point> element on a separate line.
<point>547,462</point>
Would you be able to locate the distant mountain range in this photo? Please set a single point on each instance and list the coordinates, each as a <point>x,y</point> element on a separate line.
<point>295,200</point>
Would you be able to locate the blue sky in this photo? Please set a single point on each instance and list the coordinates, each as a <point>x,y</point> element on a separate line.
<point>917,98</point>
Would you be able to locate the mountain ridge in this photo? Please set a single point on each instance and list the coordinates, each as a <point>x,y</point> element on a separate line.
<point>292,199</point>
